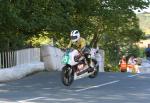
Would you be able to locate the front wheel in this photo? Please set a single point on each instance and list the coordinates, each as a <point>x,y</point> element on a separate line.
<point>96,69</point>
<point>67,75</point>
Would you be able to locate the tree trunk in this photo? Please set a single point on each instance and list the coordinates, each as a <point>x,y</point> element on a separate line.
<point>95,40</point>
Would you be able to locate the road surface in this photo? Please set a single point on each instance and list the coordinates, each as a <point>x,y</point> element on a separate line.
<point>46,87</point>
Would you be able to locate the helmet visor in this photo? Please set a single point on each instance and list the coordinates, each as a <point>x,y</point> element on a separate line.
<point>74,37</point>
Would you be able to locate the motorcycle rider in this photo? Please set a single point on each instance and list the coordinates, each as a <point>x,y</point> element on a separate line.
<point>81,46</point>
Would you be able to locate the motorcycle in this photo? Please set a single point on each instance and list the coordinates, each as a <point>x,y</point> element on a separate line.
<point>76,67</point>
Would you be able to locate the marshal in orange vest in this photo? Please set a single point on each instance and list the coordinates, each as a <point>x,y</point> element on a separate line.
<point>123,64</point>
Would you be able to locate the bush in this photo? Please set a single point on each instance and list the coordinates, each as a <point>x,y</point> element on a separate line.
<point>111,68</point>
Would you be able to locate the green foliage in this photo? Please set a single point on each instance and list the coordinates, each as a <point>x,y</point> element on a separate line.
<point>134,50</point>
<point>39,40</point>
<point>144,19</point>
<point>142,52</point>
<point>110,24</point>
<point>111,68</point>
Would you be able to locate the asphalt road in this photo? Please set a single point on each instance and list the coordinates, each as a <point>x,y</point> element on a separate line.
<point>46,87</point>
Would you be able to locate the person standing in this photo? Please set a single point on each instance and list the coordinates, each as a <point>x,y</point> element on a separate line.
<point>123,64</point>
<point>147,52</point>
<point>132,65</point>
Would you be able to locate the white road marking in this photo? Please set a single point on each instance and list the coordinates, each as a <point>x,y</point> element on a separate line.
<point>27,100</point>
<point>79,90</point>
<point>108,83</point>
<point>130,76</point>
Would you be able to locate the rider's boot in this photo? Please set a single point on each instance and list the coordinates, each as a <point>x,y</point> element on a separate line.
<point>89,62</point>
<point>91,67</point>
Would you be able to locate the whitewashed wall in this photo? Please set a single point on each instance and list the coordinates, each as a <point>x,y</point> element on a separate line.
<point>25,56</point>
<point>7,59</point>
<point>100,58</point>
<point>52,56</point>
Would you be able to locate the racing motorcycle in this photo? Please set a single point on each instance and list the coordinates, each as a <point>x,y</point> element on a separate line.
<point>76,67</point>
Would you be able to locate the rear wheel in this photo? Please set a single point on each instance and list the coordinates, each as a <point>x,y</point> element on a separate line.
<point>67,75</point>
<point>96,69</point>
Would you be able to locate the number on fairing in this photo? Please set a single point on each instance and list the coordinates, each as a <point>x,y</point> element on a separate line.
<point>65,59</point>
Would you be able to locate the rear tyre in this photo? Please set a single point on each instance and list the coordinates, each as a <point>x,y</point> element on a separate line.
<point>67,75</point>
<point>96,69</point>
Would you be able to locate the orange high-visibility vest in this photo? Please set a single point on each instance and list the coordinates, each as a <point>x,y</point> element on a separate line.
<point>123,64</point>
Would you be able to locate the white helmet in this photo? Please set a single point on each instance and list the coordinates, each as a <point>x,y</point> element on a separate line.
<point>75,35</point>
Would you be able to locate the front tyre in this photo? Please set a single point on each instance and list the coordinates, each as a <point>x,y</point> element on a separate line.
<point>67,75</point>
<point>96,69</point>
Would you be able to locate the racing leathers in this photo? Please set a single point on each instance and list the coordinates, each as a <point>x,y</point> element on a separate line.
<point>82,47</point>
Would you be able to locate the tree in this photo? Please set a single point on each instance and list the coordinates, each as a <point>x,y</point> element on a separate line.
<point>28,18</point>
